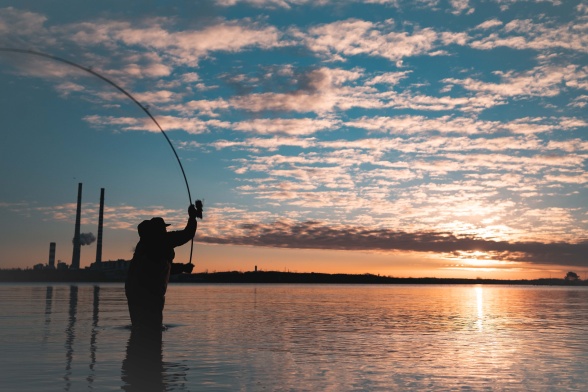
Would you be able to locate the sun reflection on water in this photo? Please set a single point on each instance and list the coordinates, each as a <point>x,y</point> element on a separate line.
<point>480,305</point>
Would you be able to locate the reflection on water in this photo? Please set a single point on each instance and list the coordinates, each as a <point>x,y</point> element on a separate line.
<point>142,368</point>
<point>297,337</point>
<point>94,334</point>
<point>480,304</point>
<point>70,334</point>
<point>48,304</point>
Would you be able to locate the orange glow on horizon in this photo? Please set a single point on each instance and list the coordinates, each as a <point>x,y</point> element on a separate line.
<point>398,264</point>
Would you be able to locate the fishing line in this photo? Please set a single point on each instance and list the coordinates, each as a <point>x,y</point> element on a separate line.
<point>122,90</point>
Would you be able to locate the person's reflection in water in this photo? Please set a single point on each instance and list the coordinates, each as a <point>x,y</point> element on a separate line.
<point>142,368</point>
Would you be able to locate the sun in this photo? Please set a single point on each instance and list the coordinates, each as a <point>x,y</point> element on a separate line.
<point>475,259</point>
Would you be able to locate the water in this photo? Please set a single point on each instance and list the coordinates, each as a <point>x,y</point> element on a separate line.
<point>299,338</point>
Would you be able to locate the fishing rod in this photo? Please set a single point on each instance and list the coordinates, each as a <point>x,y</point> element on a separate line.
<point>130,96</point>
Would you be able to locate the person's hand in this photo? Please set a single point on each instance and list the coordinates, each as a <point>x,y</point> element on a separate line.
<point>192,213</point>
<point>188,268</point>
<point>199,208</point>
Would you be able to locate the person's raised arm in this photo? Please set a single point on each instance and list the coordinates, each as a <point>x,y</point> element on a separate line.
<point>180,237</point>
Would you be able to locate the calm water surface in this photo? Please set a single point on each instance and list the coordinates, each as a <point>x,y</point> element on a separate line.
<point>298,338</point>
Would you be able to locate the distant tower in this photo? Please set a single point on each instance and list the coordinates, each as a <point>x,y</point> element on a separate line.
<point>100,224</point>
<point>52,255</point>
<point>75,259</point>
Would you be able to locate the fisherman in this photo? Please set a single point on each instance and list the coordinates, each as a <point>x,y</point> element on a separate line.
<point>152,265</point>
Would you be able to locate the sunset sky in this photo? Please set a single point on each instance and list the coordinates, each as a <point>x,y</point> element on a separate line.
<point>405,138</point>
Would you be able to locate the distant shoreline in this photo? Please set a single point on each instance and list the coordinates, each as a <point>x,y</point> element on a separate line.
<point>262,277</point>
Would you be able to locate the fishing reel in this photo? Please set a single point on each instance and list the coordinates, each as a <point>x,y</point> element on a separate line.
<point>199,207</point>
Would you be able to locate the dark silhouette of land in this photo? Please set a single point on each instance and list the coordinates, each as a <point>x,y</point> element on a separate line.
<point>323,278</point>
<point>30,275</point>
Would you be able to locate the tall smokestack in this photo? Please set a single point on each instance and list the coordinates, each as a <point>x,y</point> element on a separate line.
<point>52,255</point>
<point>75,259</point>
<point>100,225</point>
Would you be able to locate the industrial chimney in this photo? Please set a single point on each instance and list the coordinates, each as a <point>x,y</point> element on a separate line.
<point>75,259</point>
<point>100,225</point>
<point>51,255</point>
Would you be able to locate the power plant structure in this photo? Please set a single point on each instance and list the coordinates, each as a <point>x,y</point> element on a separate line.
<point>115,270</point>
<point>112,269</point>
<point>79,239</point>
<point>51,263</point>
<point>100,228</point>
<point>77,242</point>
<point>75,258</point>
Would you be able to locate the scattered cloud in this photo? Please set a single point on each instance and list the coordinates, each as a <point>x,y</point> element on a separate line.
<point>540,81</point>
<point>181,47</point>
<point>528,34</point>
<point>281,126</point>
<point>353,37</point>
<point>168,123</point>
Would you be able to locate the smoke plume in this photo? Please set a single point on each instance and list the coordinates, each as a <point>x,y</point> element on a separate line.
<point>86,238</point>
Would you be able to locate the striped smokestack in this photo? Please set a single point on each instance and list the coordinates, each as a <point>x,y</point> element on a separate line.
<point>75,259</point>
<point>100,224</point>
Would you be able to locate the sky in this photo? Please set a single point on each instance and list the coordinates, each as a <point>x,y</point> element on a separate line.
<point>421,138</point>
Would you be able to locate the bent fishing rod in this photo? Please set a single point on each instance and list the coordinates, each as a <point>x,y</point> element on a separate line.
<point>130,96</point>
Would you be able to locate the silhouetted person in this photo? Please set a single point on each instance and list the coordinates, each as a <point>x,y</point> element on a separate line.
<point>151,267</point>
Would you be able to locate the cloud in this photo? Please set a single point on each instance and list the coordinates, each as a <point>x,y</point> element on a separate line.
<point>66,88</point>
<point>269,144</point>
<point>579,178</point>
<point>122,37</point>
<point>277,126</point>
<point>442,177</point>
<point>316,235</point>
<point>168,123</point>
<point>414,125</point>
<point>353,37</point>
<point>489,24</point>
<point>459,6</point>
<point>144,65</point>
<point>182,46</point>
<point>121,217</point>
<point>262,3</point>
<point>283,126</point>
<point>288,4</point>
<point>202,107</point>
<point>15,23</point>
<point>543,81</point>
<point>327,90</point>
<point>526,34</point>
<point>505,4</point>
<point>391,78</point>
<point>320,90</point>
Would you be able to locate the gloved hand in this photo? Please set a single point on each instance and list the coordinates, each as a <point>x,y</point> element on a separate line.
<point>188,268</point>
<point>192,213</point>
